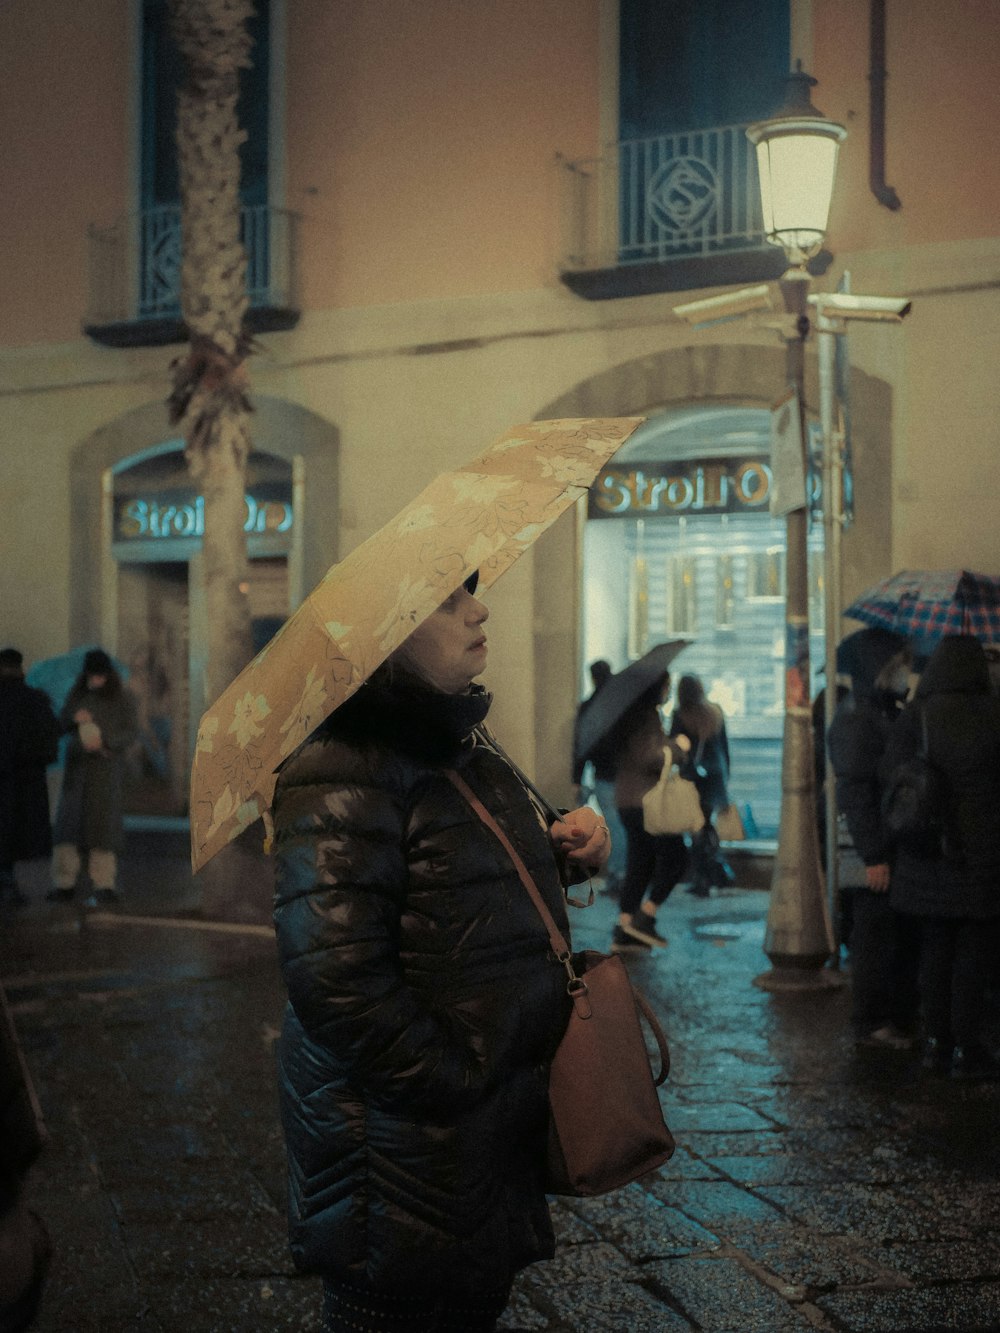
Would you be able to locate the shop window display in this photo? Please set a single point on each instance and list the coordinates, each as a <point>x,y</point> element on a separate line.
<point>689,537</point>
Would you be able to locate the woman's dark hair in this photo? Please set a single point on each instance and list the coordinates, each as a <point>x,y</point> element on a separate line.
<point>98,663</point>
<point>600,672</point>
<point>638,711</point>
<point>699,716</point>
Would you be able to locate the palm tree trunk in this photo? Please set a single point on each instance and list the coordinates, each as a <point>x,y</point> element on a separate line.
<point>209,399</point>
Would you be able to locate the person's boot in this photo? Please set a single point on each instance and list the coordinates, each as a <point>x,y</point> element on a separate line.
<point>936,1056</point>
<point>103,898</point>
<point>974,1062</point>
<point>642,927</point>
<point>627,944</point>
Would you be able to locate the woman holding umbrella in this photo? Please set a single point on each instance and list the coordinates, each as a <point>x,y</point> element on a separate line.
<point>625,722</point>
<point>424,1002</point>
<point>423,1007</point>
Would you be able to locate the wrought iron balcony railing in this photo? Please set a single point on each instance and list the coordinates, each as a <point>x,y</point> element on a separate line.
<point>689,199</point>
<point>135,274</point>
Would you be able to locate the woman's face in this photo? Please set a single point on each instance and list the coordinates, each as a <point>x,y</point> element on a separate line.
<point>449,649</point>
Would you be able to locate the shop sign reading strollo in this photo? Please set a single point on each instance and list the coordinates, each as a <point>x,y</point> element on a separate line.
<point>715,486</point>
<point>138,519</point>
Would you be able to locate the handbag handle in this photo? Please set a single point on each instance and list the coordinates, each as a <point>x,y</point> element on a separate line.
<point>559,946</point>
<point>576,987</point>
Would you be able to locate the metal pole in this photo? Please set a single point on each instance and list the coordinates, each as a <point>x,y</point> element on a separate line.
<point>799,939</point>
<point>832,527</point>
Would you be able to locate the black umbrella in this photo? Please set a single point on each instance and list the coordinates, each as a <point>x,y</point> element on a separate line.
<point>615,698</point>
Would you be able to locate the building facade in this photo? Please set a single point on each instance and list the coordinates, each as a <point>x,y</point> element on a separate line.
<point>460,217</point>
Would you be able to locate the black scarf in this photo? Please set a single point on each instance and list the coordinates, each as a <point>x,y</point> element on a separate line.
<point>401,710</point>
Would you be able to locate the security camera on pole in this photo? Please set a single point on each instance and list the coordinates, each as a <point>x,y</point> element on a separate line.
<point>797,160</point>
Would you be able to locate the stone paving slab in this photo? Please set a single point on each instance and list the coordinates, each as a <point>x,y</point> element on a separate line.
<point>812,1186</point>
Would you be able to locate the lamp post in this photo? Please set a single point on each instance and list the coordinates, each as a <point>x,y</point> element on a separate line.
<point>797,160</point>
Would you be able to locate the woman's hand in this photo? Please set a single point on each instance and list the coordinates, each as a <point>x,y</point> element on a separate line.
<point>583,838</point>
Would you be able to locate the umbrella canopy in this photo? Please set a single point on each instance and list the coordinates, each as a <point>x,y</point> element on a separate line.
<point>57,675</point>
<point>925,605</point>
<point>614,699</point>
<point>863,654</point>
<point>479,516</point>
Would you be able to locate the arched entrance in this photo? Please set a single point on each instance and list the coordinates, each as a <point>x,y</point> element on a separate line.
<point>137,524</point>
<point>680,543</point>
<point>683,380</point>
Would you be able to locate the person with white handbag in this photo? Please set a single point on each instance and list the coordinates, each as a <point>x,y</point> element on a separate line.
<point>653,862</point>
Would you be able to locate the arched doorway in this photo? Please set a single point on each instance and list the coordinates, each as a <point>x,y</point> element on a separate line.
<point>683,378</point>
<point>135,519</point>
<point>157,524</point>
<point>680,543</point>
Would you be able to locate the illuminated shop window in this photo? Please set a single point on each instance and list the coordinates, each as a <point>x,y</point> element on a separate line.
<point>766,575</point>
<point>638,608</point>
<point>682,589</point>
<point>725,592</point>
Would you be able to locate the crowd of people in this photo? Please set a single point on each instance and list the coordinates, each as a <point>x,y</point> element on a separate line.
<point>924,904</point>
<point>920,909</point>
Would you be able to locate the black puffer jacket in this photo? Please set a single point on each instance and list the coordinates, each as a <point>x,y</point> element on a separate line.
<point>856,742</point>
<point>963,742</point>
<point>424,1002</point>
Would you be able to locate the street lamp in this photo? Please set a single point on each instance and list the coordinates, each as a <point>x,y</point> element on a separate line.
<point>797,162</point>
<point>797,165</point>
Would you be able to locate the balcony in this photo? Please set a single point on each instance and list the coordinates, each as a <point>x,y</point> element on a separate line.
<point>135,274</point>
<point>675,212</point>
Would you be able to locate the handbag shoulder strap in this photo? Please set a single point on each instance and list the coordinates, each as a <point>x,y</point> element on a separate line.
<point>559,946</point>
<point>577,986</point>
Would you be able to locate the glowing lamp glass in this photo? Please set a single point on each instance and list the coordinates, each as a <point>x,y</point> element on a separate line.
<point>797,165</point>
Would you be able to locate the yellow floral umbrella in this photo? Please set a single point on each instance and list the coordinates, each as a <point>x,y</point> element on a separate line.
<point>480,516</point>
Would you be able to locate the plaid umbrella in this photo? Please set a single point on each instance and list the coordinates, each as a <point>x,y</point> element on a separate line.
<point>926,604</point>
<point>481,516</point>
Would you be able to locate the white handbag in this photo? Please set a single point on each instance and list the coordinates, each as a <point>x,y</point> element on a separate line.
<point>672,805</point>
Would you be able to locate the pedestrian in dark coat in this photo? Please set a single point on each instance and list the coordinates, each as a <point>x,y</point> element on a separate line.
<point>29,741</point>
<point>653,863</point>
<point>424,1003</point>
<point>884,944</point>
<point>704,724</point>
<point>101,717</point>
<point>952,884</point>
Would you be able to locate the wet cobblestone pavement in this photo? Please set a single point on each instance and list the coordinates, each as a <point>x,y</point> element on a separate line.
<point>813,1187</point>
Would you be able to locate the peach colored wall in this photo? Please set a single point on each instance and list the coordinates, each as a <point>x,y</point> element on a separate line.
<point>422,139</point>
<point>63,156</point>
<point>942,104</point>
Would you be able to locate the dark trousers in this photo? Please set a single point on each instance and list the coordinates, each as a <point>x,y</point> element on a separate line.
<point>955,963</point>
<point>348,1309</point>
<point>654,862</point>
<point>885,958</point>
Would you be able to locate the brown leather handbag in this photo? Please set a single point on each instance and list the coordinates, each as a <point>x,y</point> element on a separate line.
<point>606,1126</point>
